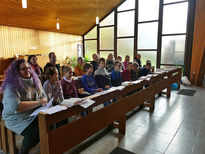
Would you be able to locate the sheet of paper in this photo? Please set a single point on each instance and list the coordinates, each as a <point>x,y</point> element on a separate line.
<point>54,109</point>
<point>70,102</point>
<point>86,103</point>
<point>35,113</point>
<point>126,83</point>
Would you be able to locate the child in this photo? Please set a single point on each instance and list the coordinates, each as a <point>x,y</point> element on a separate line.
<point>126,74</point>
<point>134,71</point>
<point>101,75</point>
<point>127,60</point>
<point>110,63</point>
<point>52,86</point>
<point>116,75</point>
<point>145,70</point>
<point>88,80</point>
<point>68,84</point>
<point>119,58</point>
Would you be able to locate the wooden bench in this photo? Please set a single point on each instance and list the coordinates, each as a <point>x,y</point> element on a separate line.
<point>61,139</point>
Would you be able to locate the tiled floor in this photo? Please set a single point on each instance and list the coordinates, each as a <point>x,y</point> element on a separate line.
<point>177,126</point>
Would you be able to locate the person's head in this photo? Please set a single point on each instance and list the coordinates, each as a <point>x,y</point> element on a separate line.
<point>149,62</point>
<point>88,68</point>
<point>129,66</point>
<point>138,56</point>
<point>119,58</point>
<point>127,58</point>
<point>110,57</point>
<point>135,66</point>
<point>117,65</point>
<point>67,72</point>
<point>95,57</point>
<point>102,62</point>
<point>52,57</point>
<point>148,66</point>
<point>52,74</point>
<point>17,70</point>
<point>32,59</point>
<point>80,61</point>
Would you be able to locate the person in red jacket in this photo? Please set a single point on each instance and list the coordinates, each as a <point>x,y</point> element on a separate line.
<point>126,74</point>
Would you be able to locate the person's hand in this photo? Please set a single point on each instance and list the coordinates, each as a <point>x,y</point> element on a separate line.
<point>107,86</point>
<point>43,101</point>
<point>99,89</point>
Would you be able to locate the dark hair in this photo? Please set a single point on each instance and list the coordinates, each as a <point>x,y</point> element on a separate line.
<point>130,63</point>
<point>50,71</point>
<point>94,55</point>
<point>49,55</point>
<point>102,59</point>
<point>86,67</point>
<point>117,63</point>
<point>13,79</point>
<point>66,69</point>
<point>135,64</point>
<point>30,57</point>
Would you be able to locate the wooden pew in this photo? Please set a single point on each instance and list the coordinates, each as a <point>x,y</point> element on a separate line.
<point>64,138</point>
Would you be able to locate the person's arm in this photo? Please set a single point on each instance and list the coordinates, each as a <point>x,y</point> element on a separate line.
<point>76,71</point>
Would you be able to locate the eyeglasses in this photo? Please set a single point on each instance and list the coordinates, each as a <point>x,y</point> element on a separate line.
<point>25,68</point>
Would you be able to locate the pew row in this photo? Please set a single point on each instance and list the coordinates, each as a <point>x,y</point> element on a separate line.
<point>63,138</point>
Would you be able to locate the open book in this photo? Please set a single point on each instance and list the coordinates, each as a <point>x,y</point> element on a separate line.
<point>85,103</point>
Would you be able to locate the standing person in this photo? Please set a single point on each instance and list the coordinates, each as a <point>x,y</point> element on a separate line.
<point>110,63</point>
<point>101,75</point>
<point>52,63</point>
<point>23,93</point>
<point>116,79</point>
<point>127,60</point>
<point>68,84</point>
<point>126,74</point>
<point>52,86</point>
<point>88,80</point>
<point>138,60</point>
<point>32,60</point>
<point>95,62</point>
<point>79,68</point>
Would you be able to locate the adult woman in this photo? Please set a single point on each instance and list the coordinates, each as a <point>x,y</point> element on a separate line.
<point>32,60</point>
<point>23,93</point>
<point>110,63</point>
<point>79,68</point>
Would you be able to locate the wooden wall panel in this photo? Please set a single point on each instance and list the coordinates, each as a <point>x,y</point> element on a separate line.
<point>198,43</point>
<point>21,41</point>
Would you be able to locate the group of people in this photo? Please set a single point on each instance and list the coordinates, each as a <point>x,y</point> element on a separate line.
<point>27,87</point>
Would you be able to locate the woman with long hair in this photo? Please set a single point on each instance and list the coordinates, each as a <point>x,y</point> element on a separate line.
<point>22,94</point>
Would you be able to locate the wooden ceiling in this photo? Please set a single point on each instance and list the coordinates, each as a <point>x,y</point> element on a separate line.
<point>75,16</point>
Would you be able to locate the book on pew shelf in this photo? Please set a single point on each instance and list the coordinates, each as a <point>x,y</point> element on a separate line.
<point>126,83</point>
<point>54,109</point>
<point>85,103</point>
<point>38,110</point>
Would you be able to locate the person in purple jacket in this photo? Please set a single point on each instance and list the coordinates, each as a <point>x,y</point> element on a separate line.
<point>88,80</point>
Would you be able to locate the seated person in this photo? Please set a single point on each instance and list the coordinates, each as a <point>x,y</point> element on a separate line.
<point>88,81</point>
<point>23,94</point>
<point>145,70</point>
<point>68,84</point>
<point>52,63</point>
<point>79,68</point>
<point>126,74</point>
<point>101,75</point>
<point>138,60</point>
<point>95,62</point>
<point>110,63</point>
<point>122,68</point>
<point>134,71</point>
<point>127,60</point>
<point>32,60</point>
<point>52,86</point>
<point>116,79</point>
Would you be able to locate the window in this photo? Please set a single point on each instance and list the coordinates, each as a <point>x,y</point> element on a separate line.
<point>125,47</point>
<point>109,20</point>
<point>127,5</point>
<point>125,24</point>
<point>147,35</point>
<point>90,48</point>
<point>107,38</point>
<point>171,1</point>
<point>148,55</point>
<point>91,34</point>
<point>173,48</point>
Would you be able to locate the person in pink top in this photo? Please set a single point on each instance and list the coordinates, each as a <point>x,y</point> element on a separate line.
<point>127,60</point>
